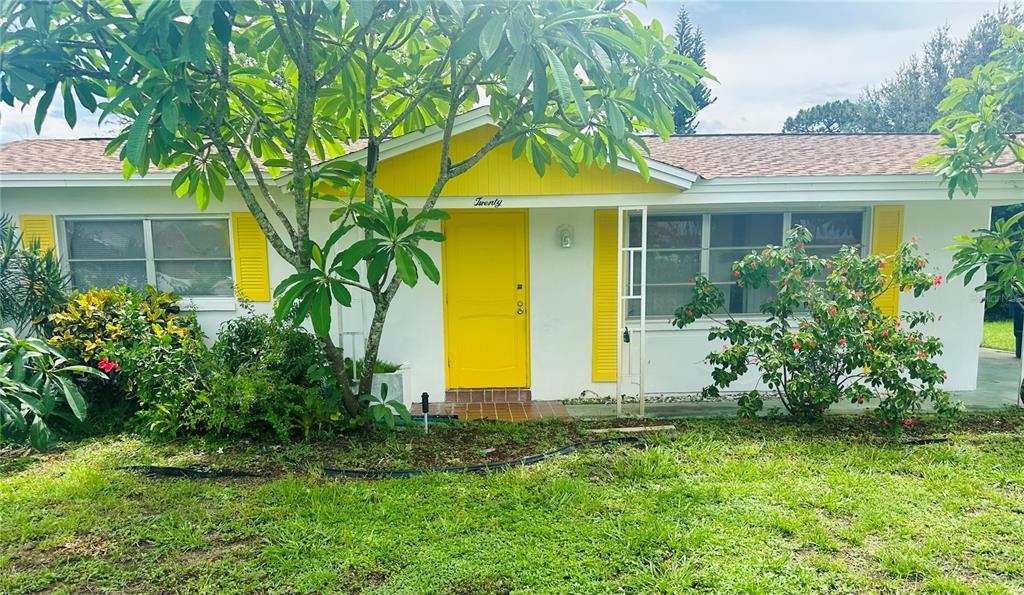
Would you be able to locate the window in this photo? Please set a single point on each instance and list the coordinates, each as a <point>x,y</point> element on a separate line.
<point>673,258</point>
<point>189,257</point>
<point>680,246</point>
<point>732,238</point>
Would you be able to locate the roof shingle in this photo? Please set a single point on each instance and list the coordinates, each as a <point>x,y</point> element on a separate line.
<point>54,156</point>
<point>710,156</point>
<point>755,155</point>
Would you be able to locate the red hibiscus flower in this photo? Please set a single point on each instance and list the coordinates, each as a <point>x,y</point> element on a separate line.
<point>108,366</point>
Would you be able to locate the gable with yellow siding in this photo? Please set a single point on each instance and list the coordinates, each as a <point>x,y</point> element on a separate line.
<point>886,237</point>
<point>498,174</point>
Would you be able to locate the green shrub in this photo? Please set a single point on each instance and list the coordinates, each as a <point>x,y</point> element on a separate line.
<point>166,374</point>
<point>825,339</point>
<point>275,382</point>
<point>32,282</point>
<point>158,349</point>
<point>259,341</point>
<point>97,322</point>
<point>38,390</point>
<point>261,379</point>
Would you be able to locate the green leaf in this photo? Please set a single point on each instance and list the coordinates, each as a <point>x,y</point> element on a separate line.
<point>519,70</point>
<point>39,435</point>
<point>321,311</point>
<point>615,120</point>
<point>378,266</point>
<point>189,6</point>
<point>316,254</point>
<point>169,114</point>
<point>361,11</point>
<point>283,306</point>
<point>293,279</point>
<point>492,35</point>
<point>540,88</point>
<point>44,106</point>
<point>568,85</point>
<point>222,26</point>
<point>17,372</point>
<point>406,267</point>
<point>85,92</point>
<point>335,237</point>
<point>215,179</point>
<point>145,61</point>
<point>135,145</point>
<point>426,263</point>
<point>341,293</point>
<point>358,251</point>
<point>70,112</point>
<point>73,397</point>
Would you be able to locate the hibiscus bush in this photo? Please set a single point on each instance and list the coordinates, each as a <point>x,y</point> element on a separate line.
<point>824,339</point>
<point>151,350</point>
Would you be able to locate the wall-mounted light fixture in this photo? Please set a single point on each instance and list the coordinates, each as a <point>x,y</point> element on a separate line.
<point>565,236</point>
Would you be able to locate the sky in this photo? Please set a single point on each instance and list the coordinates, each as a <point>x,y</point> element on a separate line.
<point>773,58</point>
<point>770,58</point>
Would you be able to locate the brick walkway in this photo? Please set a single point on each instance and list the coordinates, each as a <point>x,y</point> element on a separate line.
<point>499,411</point>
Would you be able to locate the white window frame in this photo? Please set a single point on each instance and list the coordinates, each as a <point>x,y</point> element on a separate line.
<point>199,303</point>
<point>787,224</point>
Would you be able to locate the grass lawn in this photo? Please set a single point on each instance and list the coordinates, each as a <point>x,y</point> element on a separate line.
<point>717,506</point>
<point>998,334</point>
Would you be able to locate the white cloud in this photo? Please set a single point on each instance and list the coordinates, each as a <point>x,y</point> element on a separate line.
<point>17,123</point>
<point>767,70</point>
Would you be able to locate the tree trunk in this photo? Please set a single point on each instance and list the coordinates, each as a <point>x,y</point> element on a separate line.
<point>336,359</point>
<point>372,347</point>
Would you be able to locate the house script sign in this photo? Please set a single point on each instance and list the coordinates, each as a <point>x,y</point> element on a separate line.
<point>482,202</point>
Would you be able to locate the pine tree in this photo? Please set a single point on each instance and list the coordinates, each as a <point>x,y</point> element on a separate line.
<point>690,43</point>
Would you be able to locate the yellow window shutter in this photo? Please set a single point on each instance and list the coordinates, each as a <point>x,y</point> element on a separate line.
<point>886,237</point>
<point>38,228</point>
<point>606,249</point>
<point>252,271</point>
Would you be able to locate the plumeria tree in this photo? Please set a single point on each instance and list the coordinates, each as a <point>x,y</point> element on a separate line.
<point>982,118</point>
<point>243,91</point>
<point>824,338</point>
<point>981,131</point>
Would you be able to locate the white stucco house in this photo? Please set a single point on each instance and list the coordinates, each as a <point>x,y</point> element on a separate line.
<point>528,303</point>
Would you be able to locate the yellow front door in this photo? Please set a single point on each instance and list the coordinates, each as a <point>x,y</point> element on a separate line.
<point>486,299</point>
